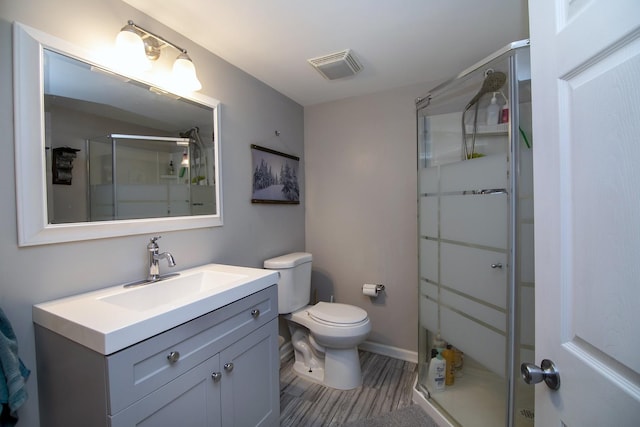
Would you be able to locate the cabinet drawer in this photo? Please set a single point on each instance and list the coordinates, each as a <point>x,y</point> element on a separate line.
<point>142,368</point>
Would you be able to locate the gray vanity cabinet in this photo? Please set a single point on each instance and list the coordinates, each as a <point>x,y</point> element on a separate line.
<point>220,369</point>
<point>239,378</point>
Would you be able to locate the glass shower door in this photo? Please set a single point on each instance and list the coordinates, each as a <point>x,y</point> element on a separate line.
<point>476,258</point>
<point>138,176</point>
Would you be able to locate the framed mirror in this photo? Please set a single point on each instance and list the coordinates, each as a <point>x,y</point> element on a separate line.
<point>100,154</point>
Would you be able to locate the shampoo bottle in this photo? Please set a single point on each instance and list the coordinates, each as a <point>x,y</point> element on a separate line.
<point>458,362</point>
<point>437,372</point>
<point>493,111</point>
<point>449,358</point>
<point>504,112</point>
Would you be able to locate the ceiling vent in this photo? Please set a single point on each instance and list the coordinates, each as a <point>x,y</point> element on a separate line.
<point>336,65</point>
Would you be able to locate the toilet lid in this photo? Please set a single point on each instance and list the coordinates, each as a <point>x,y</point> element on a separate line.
<point>337,313</point>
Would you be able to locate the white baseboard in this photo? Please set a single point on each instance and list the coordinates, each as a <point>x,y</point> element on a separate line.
<point>390,351</point>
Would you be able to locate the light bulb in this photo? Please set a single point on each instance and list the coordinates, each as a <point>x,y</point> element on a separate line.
<point>131,49</point>
<point>184,73</point>
<point>185,158</point>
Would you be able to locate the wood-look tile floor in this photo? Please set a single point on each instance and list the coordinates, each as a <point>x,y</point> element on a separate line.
<point>386,387</point>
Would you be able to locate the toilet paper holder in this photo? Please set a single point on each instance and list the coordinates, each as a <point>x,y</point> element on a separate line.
<point>367,289</point>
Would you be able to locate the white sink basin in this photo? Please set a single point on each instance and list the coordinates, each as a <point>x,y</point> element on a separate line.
<point>113,318</point>
<point>174,291</point>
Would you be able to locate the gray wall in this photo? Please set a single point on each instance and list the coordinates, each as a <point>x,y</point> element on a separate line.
<point>361,224</point>
<point>251,112</point>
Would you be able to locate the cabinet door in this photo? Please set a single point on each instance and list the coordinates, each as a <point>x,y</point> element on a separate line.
<point>191,400</point>
<point>250,380</point>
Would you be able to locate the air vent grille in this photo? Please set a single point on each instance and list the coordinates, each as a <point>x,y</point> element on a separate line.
<point>336,65</point>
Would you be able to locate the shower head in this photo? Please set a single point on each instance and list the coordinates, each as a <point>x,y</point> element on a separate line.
<point>189,133</point>
<point>493,81</point>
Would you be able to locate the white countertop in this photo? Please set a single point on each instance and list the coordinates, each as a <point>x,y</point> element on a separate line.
<point>114,318</point>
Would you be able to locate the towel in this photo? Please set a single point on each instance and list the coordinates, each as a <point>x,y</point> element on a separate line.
<point>13,373</point>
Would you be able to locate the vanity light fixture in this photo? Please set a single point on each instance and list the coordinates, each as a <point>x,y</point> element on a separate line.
<point>139,46</point>
<point>131,48</point>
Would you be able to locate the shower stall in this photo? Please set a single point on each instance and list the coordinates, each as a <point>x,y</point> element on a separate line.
<point>143,176</point>
<point>476,282</point>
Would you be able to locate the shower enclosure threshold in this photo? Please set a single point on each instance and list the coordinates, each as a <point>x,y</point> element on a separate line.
<point>477,399</point>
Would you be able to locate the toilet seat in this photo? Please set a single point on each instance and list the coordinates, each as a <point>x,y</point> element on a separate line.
<point>337,314</point>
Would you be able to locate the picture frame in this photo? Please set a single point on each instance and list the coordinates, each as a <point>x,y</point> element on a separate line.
<point>275,177</point>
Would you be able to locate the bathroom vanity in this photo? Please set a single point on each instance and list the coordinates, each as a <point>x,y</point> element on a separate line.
<point>218,368</point>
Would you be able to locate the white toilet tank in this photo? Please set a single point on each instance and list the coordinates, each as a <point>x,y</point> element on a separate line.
<point>294,286</point>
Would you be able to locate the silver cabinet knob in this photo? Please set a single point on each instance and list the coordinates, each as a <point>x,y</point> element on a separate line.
<point>228,367</point>
<point>496,265</point>
<point>255,312</point>
<point>173,356</point>
<point>216,376</point>
<point>547,372</point>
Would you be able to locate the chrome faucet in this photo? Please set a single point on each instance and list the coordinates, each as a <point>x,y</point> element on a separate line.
<point>154,257</point>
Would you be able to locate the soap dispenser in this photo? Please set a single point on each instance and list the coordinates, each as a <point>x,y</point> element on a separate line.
<point>493,111</point>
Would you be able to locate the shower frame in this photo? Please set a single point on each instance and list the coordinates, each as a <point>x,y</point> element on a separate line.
<point>114,139</point>
<point>514,54</point>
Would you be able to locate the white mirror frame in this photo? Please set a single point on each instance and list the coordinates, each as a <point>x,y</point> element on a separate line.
<point>30,161</point>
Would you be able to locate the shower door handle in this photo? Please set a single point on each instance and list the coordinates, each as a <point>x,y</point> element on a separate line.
<point>496,265</point>
<point>547,372</point>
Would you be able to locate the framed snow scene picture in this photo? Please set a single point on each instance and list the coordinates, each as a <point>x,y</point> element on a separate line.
<point>275,176</point>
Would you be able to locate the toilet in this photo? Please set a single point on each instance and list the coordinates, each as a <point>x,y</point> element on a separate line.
<point>325,336</point>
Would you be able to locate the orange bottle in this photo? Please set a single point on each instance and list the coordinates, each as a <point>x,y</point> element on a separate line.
<point>449,356</point>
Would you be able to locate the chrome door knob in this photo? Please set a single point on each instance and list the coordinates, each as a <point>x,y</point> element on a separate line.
<point>173,356</point>
<point>216,376</point>
<point>255,313</point>
<point>547,372</point>
<point>228,367</point>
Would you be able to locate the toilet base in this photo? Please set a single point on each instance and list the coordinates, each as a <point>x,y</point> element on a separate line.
<point>341,369</point>
<point>329,359</point>
<point>315,375</point>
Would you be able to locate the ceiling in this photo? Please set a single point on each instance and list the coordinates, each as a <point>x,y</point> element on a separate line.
<point>398,42</point>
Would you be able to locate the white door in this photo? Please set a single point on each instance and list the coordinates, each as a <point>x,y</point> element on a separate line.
<point>585,57</point>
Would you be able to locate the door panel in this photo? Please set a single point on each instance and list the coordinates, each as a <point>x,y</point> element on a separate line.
<point>603,233</point>
<point>586,119</point>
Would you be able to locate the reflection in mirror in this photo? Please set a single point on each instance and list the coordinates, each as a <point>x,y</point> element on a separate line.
<point>131,152</point>
<point>101,155</point>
